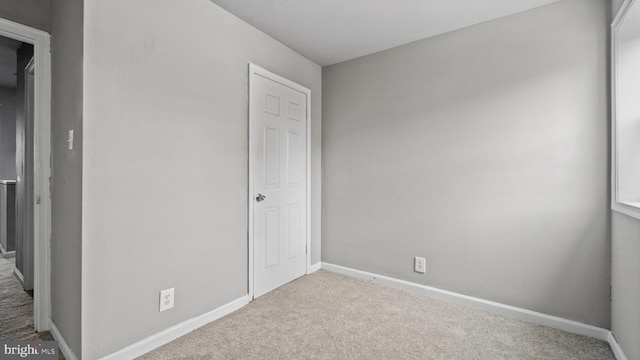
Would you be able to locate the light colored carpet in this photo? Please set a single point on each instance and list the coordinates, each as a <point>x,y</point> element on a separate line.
<point>16,309</point>
<point>16,306</point>
<point>330,316</point>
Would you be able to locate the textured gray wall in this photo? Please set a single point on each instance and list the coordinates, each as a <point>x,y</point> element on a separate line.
<point>34,13</point>
<point>165,160</point>
<point>66,187</point>
<point>8,133</point>
<point>625,272</point>
<point>484,150</point>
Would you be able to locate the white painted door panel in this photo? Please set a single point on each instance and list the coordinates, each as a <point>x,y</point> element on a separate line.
<point>279,174</point>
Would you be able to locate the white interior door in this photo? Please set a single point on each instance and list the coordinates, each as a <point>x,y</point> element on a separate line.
<point>279,163</point>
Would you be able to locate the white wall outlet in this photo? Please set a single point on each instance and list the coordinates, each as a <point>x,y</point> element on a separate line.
<point>419,265</point>
<point>166,299</point>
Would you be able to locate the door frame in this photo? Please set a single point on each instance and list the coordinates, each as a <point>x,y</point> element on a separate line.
<point>42,166</point>
<point>259,71</point>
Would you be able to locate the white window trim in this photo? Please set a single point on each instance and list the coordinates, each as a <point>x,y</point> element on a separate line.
<point>627,208</point>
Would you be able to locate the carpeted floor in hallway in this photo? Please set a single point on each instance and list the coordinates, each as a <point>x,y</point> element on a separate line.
<point>330,316</point>
<point>16,308</point>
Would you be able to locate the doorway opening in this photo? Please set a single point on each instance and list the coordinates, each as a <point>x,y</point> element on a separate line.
<point>31,165</point>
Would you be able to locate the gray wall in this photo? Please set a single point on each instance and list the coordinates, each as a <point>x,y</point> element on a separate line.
<point>34,13</point>
<point>625,272</point>
<point>8,163</point>
<point>8,133</point>
<point>66,186</point>
<point>165,160</point>
<point>484,150</point>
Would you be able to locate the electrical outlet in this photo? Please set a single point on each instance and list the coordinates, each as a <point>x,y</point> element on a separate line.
<point>419,265</point>
<point>166,299</point>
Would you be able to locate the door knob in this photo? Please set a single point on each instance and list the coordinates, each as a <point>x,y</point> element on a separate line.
<point>260,197</point>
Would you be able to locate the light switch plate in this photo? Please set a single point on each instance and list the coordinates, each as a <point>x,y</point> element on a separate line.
<point>70,139</point>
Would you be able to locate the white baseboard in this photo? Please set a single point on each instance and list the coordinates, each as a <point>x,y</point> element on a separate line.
<point>174,332</point>
<point>156,340</point>
<point>7,254</point>
<point>315,267</point>
<point>62,344</point>
<point>511,311</point>
<point>18,275</point>
<point>617,350</point>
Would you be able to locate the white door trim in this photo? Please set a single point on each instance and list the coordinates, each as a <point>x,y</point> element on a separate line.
<point>42,166</point>
<point>255,69</point>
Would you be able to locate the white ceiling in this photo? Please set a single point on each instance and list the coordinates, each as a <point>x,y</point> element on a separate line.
<point>332,31</point>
